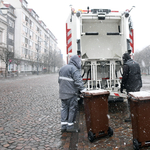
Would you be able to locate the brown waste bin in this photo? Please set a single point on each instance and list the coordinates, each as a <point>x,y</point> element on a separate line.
<point>96,114</point>
<point>140,116</point>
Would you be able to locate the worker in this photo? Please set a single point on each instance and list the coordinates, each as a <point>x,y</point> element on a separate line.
<point>70,83</point>
<point>131,78</point>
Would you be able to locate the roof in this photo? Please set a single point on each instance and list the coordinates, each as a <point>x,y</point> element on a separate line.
<point>42,22</point>
<point>8,5</point>
<point>24,0</point>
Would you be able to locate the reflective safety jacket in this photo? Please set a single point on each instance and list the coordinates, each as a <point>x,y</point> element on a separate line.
<point>70,80</point>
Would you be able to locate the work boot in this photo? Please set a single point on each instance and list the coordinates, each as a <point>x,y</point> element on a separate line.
<point>63,128</point>
<point>72,129</point>
<point>128,119</point>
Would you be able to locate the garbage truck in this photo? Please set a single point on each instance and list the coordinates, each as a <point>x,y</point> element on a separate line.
<point>100,37</point>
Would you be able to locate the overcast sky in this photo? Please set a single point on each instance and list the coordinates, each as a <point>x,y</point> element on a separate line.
<point>54,14</point>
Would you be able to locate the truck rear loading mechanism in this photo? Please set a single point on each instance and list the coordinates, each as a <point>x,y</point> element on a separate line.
<point>100,37</point>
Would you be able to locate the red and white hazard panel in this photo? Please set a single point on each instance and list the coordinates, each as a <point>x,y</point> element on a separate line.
<point>68,41</point>
<point>131,35</point>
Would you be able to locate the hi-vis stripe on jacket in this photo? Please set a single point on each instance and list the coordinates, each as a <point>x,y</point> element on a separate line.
<point>65,78</point>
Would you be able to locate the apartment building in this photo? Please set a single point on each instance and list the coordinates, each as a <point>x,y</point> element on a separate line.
<point>8,12</point>
<point>3,37</point>
<point>33,40</point>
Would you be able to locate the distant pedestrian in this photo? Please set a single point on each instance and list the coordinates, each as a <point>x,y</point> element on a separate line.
<point>70,83</point>
<point>131,79</point>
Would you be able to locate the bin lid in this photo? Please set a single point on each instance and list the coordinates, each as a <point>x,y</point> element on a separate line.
<point>97,92</point>
<point>141,95</point>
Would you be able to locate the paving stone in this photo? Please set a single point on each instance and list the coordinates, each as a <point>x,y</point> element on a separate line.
<point>30,119</point>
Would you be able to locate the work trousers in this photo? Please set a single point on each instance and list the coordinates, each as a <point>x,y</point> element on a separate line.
<point>68,111</point>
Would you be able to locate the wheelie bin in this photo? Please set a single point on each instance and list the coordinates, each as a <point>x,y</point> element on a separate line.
<point>140,116</point>
<point>96,114</point>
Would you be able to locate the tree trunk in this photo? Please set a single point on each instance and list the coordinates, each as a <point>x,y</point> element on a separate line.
<point>17,70</point>
<point>6,70</point>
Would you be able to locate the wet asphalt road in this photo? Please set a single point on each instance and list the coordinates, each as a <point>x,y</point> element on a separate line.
<point>30,118</point>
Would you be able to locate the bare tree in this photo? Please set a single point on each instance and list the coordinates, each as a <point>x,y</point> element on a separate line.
<point>33,61</point>
<point>17,60</point>
<point>142,58</point>
<point>40,60</point>
<point>50,60</point>
<point>6,56</point>
<point>45,61</point>
<point>59,59</point>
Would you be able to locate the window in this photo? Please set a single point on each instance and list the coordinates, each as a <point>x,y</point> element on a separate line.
<point>33,14</point>
<point>37,37</point>
<point>11,10</point>
<point>36,17</point>
<point>24,4</point>
<point>31,23</point>
<point>10,36</point>
<point>24,17</point>
<point>25,29</point>
<point>11,23</point>
<point>31,53</point>
<point>37,29</point>
<point>40,32</point>
<point>25,51</point>
<point>26,40</point>
<point>30,43</point>
<point>28,53</point>
<point>31,33</point>
<point>23,39</point>
<point>0,36</point>
<point>10,48</point>
<point>45,50</point>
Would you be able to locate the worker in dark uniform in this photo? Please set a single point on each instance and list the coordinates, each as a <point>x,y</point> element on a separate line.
<point>70,83</point>
<point>131,79</point>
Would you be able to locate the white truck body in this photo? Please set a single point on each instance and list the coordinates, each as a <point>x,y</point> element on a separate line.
<point>100,37</point>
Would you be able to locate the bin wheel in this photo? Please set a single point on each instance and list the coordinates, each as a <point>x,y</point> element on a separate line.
<point>110,131</point>
<point>90,136</point>
<point>135,144</point>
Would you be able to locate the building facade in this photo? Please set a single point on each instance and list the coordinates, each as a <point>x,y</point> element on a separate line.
<point>3,37</point>
<point>8,12</point>
<point>34,42</point>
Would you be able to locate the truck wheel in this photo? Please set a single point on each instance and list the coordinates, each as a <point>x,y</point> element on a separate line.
<point>110,131</point>
<point>136,144</point>
<point>90,136</point>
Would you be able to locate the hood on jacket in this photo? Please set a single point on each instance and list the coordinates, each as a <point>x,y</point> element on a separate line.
<point>126,57</point>
<point>75,60</point>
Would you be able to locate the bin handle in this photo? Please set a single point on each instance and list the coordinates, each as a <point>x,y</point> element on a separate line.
<point>129,97</point>
<point>134,99</point>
